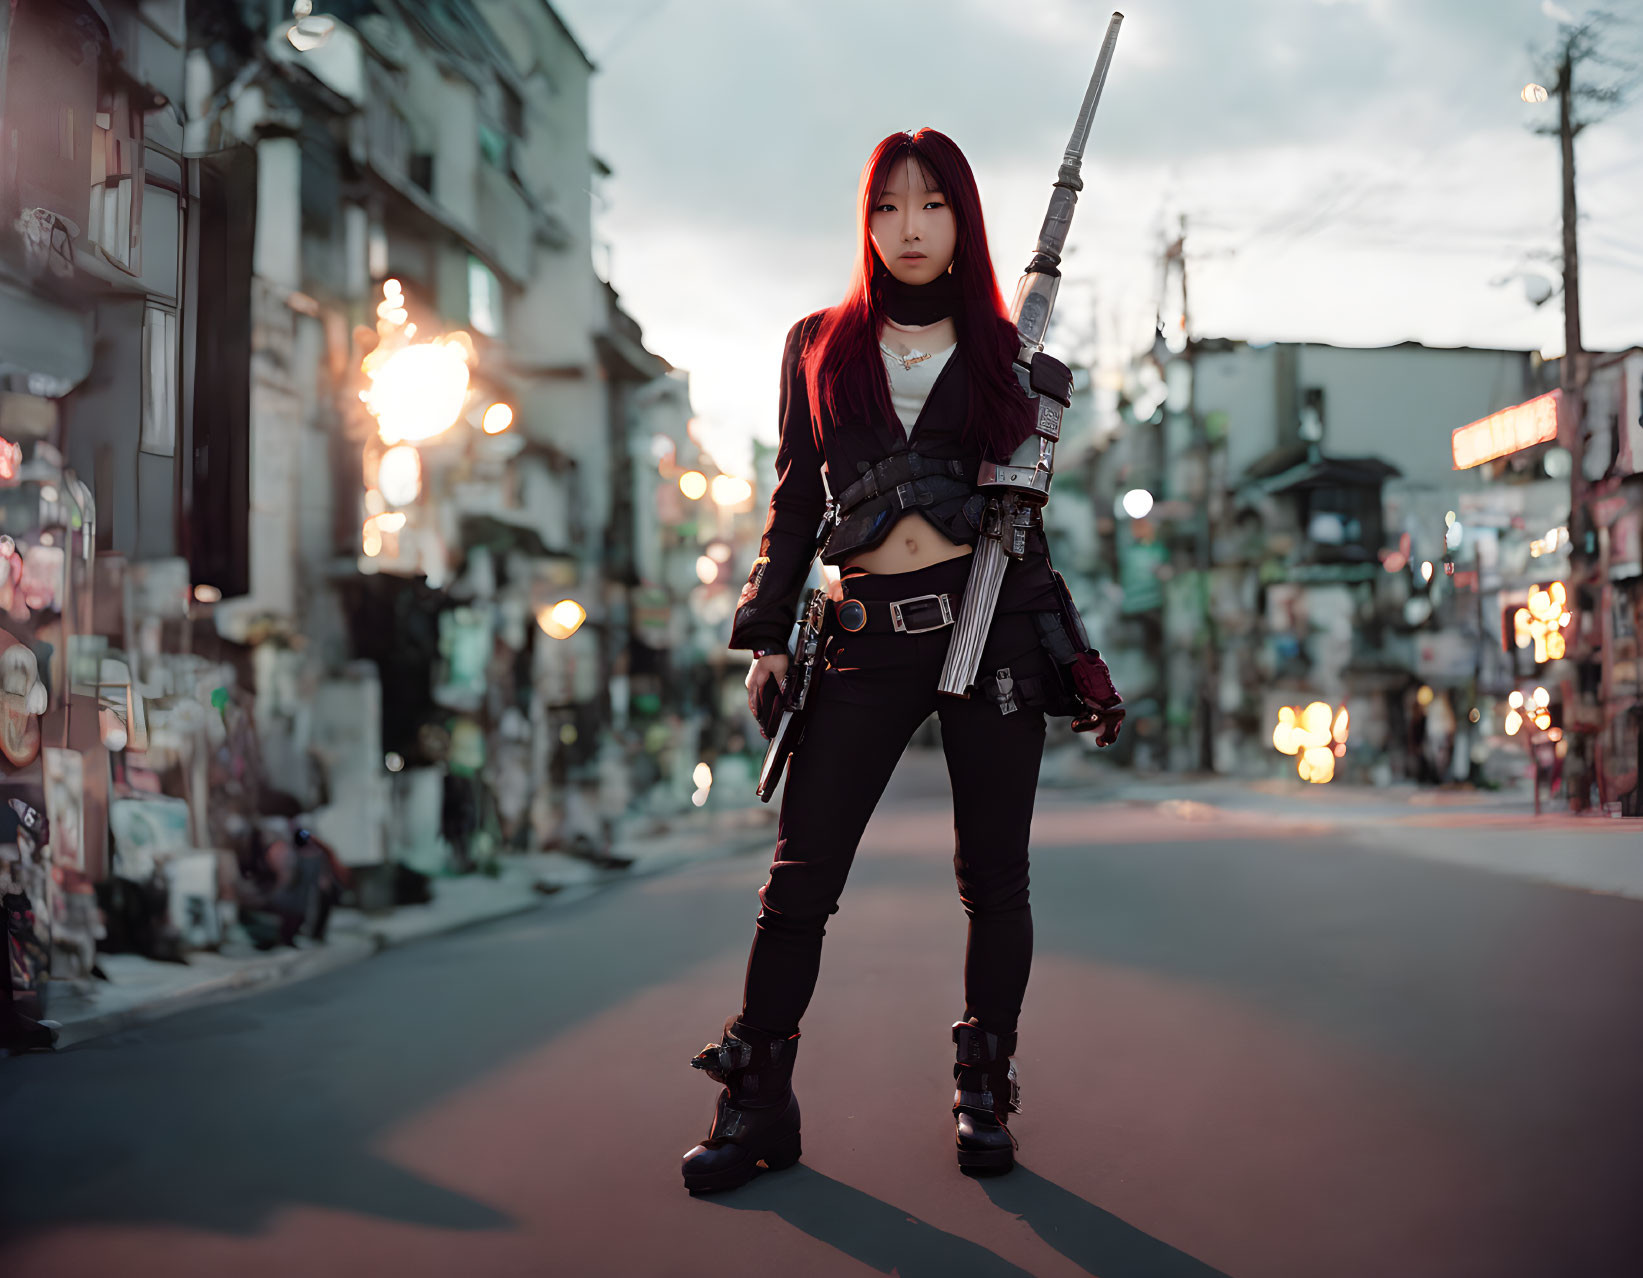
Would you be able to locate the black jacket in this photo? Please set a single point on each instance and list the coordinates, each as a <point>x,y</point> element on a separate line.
<point>767,609</point>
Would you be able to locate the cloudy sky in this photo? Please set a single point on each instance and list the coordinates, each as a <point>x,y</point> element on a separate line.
<point>1352,171</point>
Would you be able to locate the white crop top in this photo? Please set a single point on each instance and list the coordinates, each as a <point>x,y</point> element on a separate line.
<point>910,385</point>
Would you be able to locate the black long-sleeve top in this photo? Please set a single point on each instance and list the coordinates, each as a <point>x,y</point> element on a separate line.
<point>767,609</point>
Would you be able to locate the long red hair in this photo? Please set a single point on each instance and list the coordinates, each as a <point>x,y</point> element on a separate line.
<point>843,369</point>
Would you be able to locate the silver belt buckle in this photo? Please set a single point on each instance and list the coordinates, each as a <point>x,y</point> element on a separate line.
<point>940,600</point>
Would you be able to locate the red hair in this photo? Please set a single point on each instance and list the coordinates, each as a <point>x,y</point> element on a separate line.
<point>843,369</point>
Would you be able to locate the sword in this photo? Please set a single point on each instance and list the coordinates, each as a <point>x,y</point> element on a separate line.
<point>1017,489</point>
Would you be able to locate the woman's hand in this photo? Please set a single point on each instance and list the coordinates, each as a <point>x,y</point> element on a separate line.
<point>773,665</point>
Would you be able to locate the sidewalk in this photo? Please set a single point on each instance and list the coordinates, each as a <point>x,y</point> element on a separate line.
<point>1496,831</point>
<point>140,990</point>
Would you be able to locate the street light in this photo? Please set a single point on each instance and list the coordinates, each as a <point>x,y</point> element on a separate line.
<point>693,484</point>
<point>1137,503</point>
<point>1533,93</point>
<point>498,417</point>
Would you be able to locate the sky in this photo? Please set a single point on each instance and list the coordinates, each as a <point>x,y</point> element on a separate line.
<point>1353,171</point>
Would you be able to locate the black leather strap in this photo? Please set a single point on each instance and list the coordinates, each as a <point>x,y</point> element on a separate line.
<point>892,472</point>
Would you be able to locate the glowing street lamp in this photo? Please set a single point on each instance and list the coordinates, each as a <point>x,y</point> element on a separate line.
<point>498,417</point>
<point>1137,503</point>
<point>417,390</point>
<point>693,484</point>
<point>1533,93</point>
<point>562,620</point>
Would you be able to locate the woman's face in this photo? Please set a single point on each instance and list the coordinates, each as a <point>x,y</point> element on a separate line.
<point>912,226</point>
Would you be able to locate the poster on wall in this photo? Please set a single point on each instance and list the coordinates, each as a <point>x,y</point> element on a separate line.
<point>65,794</point>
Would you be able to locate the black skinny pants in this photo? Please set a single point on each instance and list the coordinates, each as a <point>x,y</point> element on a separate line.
<point>874,693</point>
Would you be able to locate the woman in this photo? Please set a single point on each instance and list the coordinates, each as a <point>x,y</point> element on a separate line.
<point>897,392</point>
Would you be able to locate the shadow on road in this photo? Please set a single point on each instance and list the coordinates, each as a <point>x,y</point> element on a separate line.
<point>218,1119</point>
<point>885,1237</point>
<point>865,1228</point>
<point>1095,1240</point>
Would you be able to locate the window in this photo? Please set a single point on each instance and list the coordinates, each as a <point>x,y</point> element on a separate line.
<point>117,181</point>
<point>159,433</point>
<point>484,299</point>
<point>162,240</point>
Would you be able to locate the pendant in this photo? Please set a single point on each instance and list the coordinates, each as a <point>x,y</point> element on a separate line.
<point>908,360</point>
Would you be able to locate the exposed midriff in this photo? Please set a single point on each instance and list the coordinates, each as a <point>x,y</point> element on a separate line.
<point>913,542</point>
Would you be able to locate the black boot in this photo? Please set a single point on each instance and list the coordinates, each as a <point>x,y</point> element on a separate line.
<point>756,1123</point>
<point>986,1095</point>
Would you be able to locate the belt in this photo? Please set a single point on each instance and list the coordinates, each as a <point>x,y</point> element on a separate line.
<point>914,615</point>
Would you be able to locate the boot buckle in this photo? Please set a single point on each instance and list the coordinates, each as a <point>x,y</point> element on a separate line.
<point>729,1123</point>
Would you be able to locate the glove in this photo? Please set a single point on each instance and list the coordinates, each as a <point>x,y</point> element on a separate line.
<point>1094,684</point>
<point>1049,376</point>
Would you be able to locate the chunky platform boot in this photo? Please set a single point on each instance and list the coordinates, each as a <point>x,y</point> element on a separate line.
<point>756,1123</point>
<point>986,1095</point>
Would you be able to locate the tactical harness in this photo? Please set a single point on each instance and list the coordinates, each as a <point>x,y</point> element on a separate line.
<point>942,491</point>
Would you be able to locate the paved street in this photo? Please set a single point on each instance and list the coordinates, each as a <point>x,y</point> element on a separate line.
<point>1253,1045</point>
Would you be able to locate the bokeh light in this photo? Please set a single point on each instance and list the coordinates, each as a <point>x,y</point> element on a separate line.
<point>693,484</point>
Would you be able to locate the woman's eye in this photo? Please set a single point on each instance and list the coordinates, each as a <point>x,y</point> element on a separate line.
<point>935,204</point>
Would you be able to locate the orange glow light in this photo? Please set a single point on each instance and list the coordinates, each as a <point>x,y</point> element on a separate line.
<point>1541,622</point>
<point>1506,432</point>
<point>1313,738</point>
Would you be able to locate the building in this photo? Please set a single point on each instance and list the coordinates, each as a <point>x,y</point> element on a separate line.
<point>1293,547</point>
<point>321,448</point>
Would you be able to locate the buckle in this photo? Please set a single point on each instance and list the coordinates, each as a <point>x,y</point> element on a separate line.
<point>906,498</point>
<point>900,623</point>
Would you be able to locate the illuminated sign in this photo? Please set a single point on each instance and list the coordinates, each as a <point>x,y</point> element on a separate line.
<point>1541,622</point>
<point>1506,432</point>
<point>1315,736</point>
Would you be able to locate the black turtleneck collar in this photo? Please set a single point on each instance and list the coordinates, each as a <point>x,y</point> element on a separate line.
<point>916,303</point>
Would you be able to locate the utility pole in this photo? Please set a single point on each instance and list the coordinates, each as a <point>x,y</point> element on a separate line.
<point>1572,382</point>
<point>1581,44</point>
<point>1208,691</point>
<point>1208,665</point>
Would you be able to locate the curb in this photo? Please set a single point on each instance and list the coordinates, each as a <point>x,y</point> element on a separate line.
<point>286,969</point>
<point>345,948</point>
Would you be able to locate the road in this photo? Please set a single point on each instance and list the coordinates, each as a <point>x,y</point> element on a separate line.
<point>1251,1047</point>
